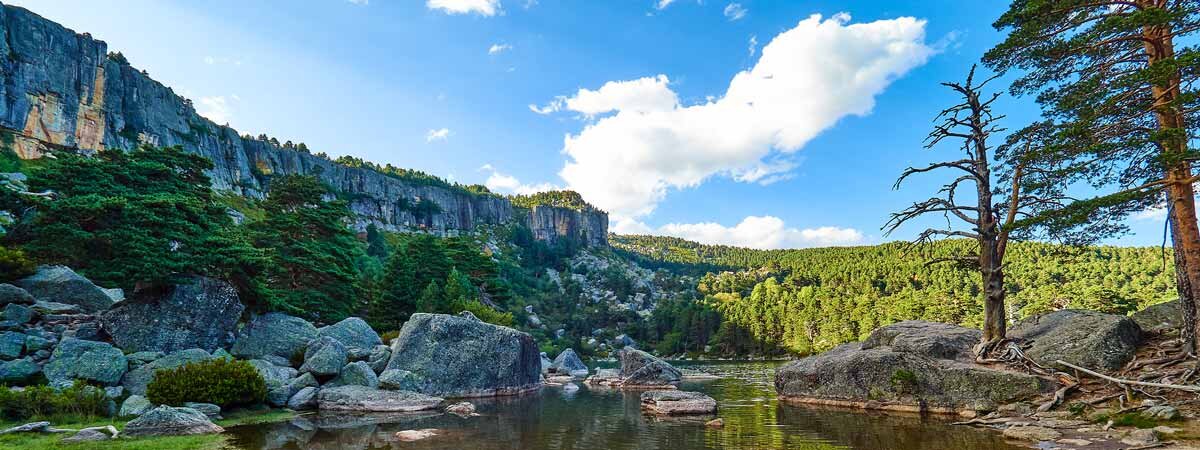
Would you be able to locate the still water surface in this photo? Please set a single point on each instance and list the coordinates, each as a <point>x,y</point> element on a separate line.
<point>592,419</point>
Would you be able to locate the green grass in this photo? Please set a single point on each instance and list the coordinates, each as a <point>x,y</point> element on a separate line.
<point>1132,419</point>
<point>30,441</point>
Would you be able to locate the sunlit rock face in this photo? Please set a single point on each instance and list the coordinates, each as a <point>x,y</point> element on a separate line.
<point>59,89</point>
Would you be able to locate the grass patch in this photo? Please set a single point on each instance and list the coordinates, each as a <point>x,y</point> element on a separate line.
<point>31,441</point>
<point>1131,419</point>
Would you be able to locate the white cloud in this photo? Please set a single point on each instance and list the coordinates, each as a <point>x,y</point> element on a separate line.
<point>359,2</point>
<point>735,11</point>
<point>508,184</point>
<point>647,143</point>
<point>439,134</point>
<point>752,47</point>
<point>212,60</point>
<point>498,48</point>
<point>762,232</point>
<point>1154,214</point>
<point>217,108</point>
<point>482,7</point>
<point>662,4</point>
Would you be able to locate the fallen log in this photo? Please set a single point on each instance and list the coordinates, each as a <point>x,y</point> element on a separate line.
<point>1129,382</point>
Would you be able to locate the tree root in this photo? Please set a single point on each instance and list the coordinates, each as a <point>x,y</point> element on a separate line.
<point>1128,383</point>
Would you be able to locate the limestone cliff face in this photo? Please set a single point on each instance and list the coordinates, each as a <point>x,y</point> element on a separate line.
<point>59,89</point>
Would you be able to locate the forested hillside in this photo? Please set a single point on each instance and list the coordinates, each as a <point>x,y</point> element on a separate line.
<point>809,300</point>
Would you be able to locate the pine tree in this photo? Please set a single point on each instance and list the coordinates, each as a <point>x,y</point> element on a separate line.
<point>431,298</point>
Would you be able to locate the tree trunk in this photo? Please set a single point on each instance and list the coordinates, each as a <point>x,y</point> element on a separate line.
<point>990,267</point>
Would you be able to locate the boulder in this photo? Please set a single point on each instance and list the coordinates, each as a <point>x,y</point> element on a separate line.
<point>36,343</point>
<point>1090,339</point>
<point>32,427</point>
<point>378,359</point>
<point>305,398</point>
<point>12,344</point>
<point>200,313</point>
<point>547,364</point>
<point>60,284</point>
<point>416,435</point>
<point>86,360</point>
<point>927,377</point>
<point>933,339</point>
<point>281,394</point>
<point>569,363</point>
<point>365,399</point>
<point>639,368</point>
<point>10,294</point>
<point>18,371</point>
<point>86,435</point>
<point>1159,318</point>
<point>134,405</point>
<point>210,410</point>
<point>274,375</point>
<point>459,357</point>
<point>171,421</point>
<point>677,403</point>
<point>137,379</point>
<point>399,380</point>
<point>324,357</point>
<point>17,313</point>
<point>357,373</point>
<point>137,359</point>
<point>352,332</point>
<point>88,331</point>
<point>54,308</point>
<point>1032,433</point>
<point>462,409</point>
<point>276,337</point>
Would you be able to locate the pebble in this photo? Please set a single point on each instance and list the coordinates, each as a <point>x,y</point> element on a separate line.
<point>416,435</point>
<point>715,423</point>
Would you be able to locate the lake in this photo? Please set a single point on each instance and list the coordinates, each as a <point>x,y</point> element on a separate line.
<point>594,418</point>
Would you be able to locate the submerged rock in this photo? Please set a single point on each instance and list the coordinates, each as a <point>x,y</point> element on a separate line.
<point>200,313</point>
<point>677,403</point>
<point>365,399</point>
<point>1091,339</point>
<point>276,337</point>
<point>171,421</point>
<point>919,378</point>
<point>416,435</point>
<point>60,284</point>
<point>455,356</point>
<point>462,409</point>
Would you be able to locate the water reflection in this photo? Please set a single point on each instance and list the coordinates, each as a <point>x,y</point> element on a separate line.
<point>590,418</point>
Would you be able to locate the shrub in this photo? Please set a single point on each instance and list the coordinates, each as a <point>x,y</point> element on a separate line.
<point>389,335</point>
<point>220,381</point>
<point>14,265</point>
<point>904,381</point>
<point>487,314</point>
<point>80,401</point>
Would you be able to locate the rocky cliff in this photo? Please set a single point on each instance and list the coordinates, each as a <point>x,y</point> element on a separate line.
<point>62,90</point>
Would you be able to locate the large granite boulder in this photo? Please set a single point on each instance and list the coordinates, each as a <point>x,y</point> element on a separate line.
<point>1159,318</point>
<point>305,398</point>
<point>568,363</point>
<point>639,369</point>
<point>1091,339</point>
<point>924,372</point>
<point>324,357</point>
<point>76,359</point>
<point>352,332</point>
<point>135,405</point>
<point>276,378</point>
<point>12,344</point>
<point>378,358</point>
<point>201,313</point>
<point>10,294</point>
<point>677,403</point>
<point>365,399</point>
<point>18,313</point>
<point>357,373</point>
<point>455,356</point>
<point>137,379</point>
<point>170,421</point>
<point>283,393</point>
<point>18,371</point>
<point>399,380</point>
<point>275,337</point>
<point>60,284</point>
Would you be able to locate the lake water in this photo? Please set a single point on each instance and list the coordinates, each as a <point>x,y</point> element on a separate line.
<point>590,419</point>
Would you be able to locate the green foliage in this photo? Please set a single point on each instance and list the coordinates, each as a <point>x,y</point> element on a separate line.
<point>9,161</point>
<point>561,199</point>
<point>904,381</point>
<point>44,402</point>
<point>14,265</point>
<point>224,382</point>
<point>487,314</point>
<point>411,176</point>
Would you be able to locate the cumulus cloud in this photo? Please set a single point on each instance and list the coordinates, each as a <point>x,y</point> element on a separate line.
<point>646,142</point>
<point>735,11</point>
<point>482,7</point>
<point>218,109</point>
<point>508,184</point>
<point>662,4</point>
<point>498,48</point>
<point>439,134</point>
<point>762,232</point>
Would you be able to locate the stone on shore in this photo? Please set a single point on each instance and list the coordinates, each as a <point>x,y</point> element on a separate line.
<point>275,337</point>
<point>171,421</point>
<point>365,399</point>
<point>60,284</point>
<point>1095,340</point>
<point>568,363</point>
<point>677,403</point>
<point>357,373</point>
<point>1032,433</point>
<point>305,398</point>
<point>353,333</point>
<point>85,360</point>
<point>10,294</point>
<point>457,356</point>
<point>324,357</point>
<point>137,379</point>
<point>135,405</point>
<point>1159,318</point>
<point>199,313</point>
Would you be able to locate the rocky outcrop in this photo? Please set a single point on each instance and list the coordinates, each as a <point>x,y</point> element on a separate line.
<point>911,366</point>
<point>92,361</point>
<point>677,403</point>
<point>170,421</point>
<point>200,313</point>
<point>275,337</point>
<point>454,356</point>
<point>59,89</point>
<point>353,333</point>
<point>365,399</point>
<point>59,284</point>
<point>639,369</point>
<point>324,357</point>
<point>1084,338</point>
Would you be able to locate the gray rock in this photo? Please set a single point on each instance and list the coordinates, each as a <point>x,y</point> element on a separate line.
<point>134,405</point>
<point>17,313</point>
<point>32,427</point>
<point>379,357</point>
<point>1139,438</point>
<point>324,357</point>
<point>274,375</point>
<point>114,391</point>
<point>365,399</point>
<point>222,353</point>
<point>18,371</point>
<point>89,331</point>
<point>639,368</point>
<point>86,435</point>
<point>305,398</point>
<point>1159,318</point>
<point>569,363</point>
<point>1032,433</point>
<point>137,379</point>
<point>11,344</point>
<point>357,373</point>
<point>352,332</point>
<point>1161,412</point>
<point>170,421</point>
<point>116,294</point>
<point>910,380</point>
<point>280,395</point>
<point>546,363</point>
<point>50,308</point>
<point>462,409</point>
<point>399,380</point>
<point>199,313</point>
<point>60,284</point>
<point>10,294</point>
<point>86,360</point>
<point>210,410</point>
<point>1094,340</point>
<point>36,343</point>
<point>8,325</point>
<point>624,341</point>
<point>677,403</point>
<point>137,359</point>
<point>275,335</point>
<point>932,339</point>
<point>459,357</point>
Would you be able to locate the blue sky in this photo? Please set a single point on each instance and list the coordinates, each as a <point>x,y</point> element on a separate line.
<point>631,102</point>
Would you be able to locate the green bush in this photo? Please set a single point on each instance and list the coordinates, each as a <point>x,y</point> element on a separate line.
<point>14,265</point>
<point>221,381</point>
<point>80,401</point>
<point>487,314</point>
